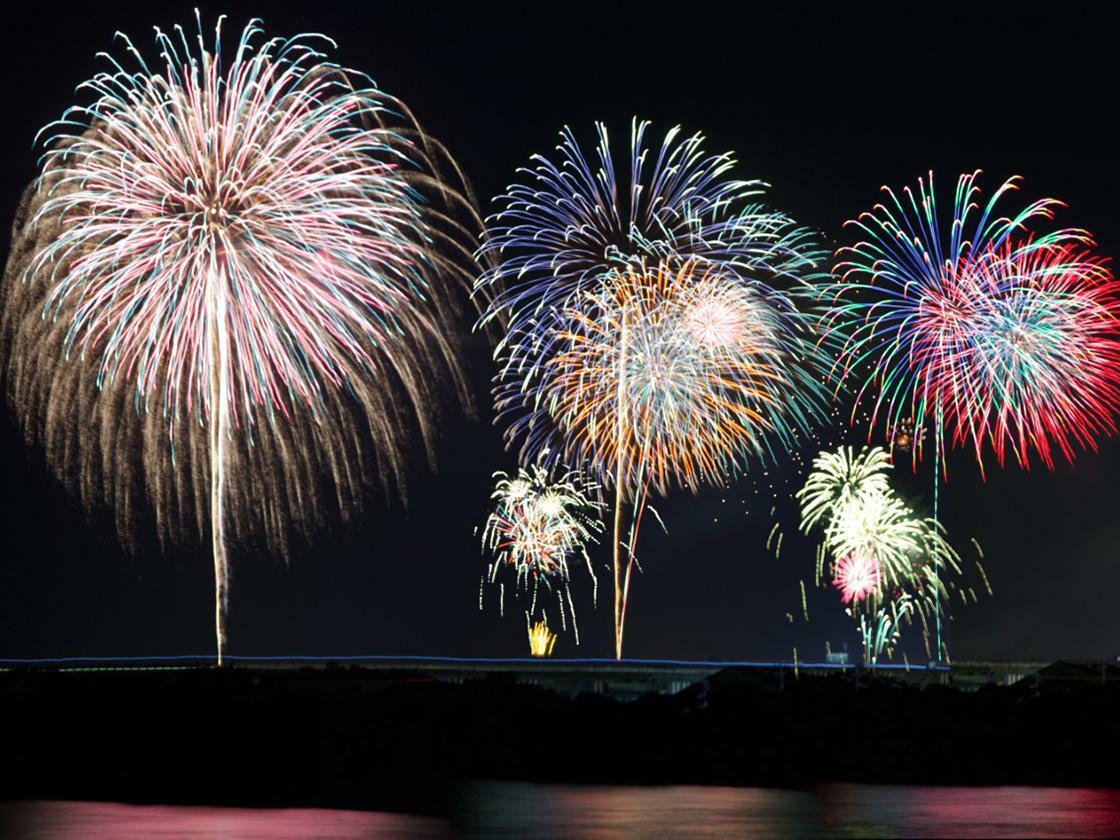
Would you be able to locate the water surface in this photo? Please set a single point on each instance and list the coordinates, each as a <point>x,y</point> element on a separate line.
<point>539,812</point>
<point>112,821</point>
<point>507,810</point>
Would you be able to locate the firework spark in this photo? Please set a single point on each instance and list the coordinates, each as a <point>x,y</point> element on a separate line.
<point>229,270</point>
<point>538,524</point>
<point>628,294</point>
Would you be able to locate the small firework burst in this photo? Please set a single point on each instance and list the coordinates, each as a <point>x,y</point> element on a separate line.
<point>541,639</point>
<point>857,577</point>
<point>841,479</point>
<point>903,436</point>
<point>539,523</point>
<point>888,563</point>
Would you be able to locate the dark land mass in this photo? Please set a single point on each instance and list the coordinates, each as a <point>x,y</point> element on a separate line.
<point>405,740</point>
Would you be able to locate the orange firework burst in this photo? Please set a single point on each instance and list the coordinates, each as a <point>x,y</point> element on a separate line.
<point>668,376</point>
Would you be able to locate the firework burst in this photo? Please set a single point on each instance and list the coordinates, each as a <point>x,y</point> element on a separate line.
<point>229,270</point>
<point>903,436</point>
<point>995,335</point>
<point>577,214</point>
<point>671,376</point>
<point>1035,363</point>
<point>652,336</point>
<point>842,479</point>
<point>540,523</point>
<point>541,639</point>
<point>886,562</point>
<point>857,577</point>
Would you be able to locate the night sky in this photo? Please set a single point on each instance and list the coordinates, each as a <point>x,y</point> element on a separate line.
<point>826,105</point>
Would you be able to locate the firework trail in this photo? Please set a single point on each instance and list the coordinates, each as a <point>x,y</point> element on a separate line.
<point>229,270</point>
<point>538,524</point>
<point>626,294</point>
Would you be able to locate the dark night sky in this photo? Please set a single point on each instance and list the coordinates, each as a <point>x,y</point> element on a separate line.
<point>824,104</point>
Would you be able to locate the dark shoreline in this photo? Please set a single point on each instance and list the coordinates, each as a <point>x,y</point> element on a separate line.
<point>379,739</point>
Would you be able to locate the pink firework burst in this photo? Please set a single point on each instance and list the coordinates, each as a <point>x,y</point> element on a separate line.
<point>242,259</point>
<point>857,576</point>
<point>238,223</point>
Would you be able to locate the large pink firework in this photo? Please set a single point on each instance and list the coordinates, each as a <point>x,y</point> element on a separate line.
<point>241,258</point>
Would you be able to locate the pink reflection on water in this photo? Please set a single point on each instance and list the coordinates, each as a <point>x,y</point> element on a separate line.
<point>112,821</point>
<point>956,812</point>
<point>542,812</point>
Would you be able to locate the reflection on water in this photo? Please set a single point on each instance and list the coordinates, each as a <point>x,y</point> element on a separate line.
<point>110,821</point>
<point>972,812</point>
<point>614,813</point>
<point>535,812</point>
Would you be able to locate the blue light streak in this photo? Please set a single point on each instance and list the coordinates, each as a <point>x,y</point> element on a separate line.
<point>208,659</point>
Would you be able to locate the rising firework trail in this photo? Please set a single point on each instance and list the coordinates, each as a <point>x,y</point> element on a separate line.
<point>229,288</point>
